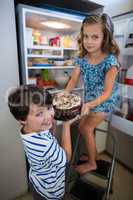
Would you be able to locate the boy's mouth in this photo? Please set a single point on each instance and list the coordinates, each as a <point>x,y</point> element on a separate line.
<point>47,123</point>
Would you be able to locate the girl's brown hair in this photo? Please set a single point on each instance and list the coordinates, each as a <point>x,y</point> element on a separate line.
<point>109,44</point>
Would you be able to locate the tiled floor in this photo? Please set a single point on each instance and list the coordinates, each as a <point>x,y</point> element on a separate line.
<point>123,185</point>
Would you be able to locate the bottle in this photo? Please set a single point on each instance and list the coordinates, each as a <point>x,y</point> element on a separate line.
<point>125,107</point>
<point>45,74</point>
<point>36,37</point>
<point>122,74</point>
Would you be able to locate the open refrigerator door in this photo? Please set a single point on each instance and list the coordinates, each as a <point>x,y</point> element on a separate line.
<point>48,46</point>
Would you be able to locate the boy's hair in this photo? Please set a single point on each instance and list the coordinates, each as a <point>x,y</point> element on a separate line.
<point>109,45</point>
<point>20,100</point>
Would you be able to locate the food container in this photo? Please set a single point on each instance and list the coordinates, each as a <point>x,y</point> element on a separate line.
<point>59,62</point>
<point>32,80</point>
<point>61,77</point>
<point>62,81</point>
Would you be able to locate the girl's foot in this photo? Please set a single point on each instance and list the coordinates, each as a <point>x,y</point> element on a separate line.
<point>84,157</point>
<point>86,167</point>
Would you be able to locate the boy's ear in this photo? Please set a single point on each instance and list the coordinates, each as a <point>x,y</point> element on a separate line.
<point>22,122</point>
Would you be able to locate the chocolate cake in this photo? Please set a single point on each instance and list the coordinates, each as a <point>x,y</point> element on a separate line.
<point>66,106</point>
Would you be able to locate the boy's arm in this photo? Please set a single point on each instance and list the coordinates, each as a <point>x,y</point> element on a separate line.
<point>66,140</point>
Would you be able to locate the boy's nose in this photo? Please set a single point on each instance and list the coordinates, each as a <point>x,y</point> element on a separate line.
<point>52,112</point>
<point>48,114</point>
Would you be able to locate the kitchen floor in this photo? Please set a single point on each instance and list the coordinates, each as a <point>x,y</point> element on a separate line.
<point>122,188</point>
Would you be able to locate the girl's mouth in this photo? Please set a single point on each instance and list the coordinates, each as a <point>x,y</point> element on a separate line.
<point>89,47</point>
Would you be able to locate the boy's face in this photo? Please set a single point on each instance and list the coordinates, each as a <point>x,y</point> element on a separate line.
<point>39,118</point>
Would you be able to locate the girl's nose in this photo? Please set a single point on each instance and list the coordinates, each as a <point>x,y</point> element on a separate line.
<point>89,40</point>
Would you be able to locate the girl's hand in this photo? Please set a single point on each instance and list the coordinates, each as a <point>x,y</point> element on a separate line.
<point>85,109</point>
<point>64,92</point>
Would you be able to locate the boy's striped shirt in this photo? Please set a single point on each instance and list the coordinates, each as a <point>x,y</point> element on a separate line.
<point>47,164</point>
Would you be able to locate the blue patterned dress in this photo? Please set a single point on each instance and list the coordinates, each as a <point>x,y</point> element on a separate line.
<point>93,77</point>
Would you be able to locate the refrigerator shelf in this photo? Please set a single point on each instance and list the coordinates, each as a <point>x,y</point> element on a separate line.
<point>45,47</point>
<point>51,47</point>
<point>53,91</point>
<point>51,67</point>
<point>43,56</point>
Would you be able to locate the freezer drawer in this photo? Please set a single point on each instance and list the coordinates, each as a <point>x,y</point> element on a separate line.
<point>124,148</point>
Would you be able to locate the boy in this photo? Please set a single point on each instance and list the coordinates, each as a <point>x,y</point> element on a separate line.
<point>32,107</point>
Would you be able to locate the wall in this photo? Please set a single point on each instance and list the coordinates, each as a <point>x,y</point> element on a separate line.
<point>12,162</point>
<point>116,7</point>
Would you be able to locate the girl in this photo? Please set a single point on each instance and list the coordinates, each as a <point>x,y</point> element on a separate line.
<point>98,65</point>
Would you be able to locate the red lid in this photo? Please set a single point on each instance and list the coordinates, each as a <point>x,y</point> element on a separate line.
<point>128,81</point>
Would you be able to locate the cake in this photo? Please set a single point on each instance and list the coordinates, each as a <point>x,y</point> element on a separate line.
<point>66,106</point>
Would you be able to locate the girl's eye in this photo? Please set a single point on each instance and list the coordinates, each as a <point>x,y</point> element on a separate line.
<point>85,36</point>
<point>94,37</point>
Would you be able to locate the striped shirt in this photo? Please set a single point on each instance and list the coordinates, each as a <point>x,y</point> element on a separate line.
<point>47,162</point>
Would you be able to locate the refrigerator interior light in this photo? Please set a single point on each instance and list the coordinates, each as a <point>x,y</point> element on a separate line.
<point>55,24</point>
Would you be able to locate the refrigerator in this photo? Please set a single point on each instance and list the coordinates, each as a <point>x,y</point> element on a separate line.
<point>47,41</point>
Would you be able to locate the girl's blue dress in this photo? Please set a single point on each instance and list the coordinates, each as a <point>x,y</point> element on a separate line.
<point>93,77</point>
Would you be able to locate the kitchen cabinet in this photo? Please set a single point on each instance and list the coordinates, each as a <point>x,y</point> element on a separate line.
<point>123,29</point>
<point>122,120</point>
<point>45,49</point>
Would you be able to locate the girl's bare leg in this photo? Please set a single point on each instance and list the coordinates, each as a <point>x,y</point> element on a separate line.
<point>87,126</point>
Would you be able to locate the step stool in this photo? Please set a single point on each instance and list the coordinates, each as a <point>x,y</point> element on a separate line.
<point>96,183</point>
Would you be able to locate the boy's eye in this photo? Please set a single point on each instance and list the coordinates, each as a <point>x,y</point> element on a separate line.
<point>39,114</point>
<point>49,107</point>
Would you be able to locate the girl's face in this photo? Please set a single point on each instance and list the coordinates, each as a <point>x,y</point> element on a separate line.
<point>93,38</point>
<point>39,118</point>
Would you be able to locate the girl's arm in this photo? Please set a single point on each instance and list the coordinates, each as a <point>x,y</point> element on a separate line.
<point>74,79</point>
<point>108,86</point>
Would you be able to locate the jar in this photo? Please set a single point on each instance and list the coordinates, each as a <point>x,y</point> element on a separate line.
<point>129,76</point>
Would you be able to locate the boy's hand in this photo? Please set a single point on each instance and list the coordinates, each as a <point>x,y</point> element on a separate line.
<point>69,122</point>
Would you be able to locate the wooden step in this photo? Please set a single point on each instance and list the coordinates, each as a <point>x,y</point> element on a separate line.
<point>98,177</point>
<point>82,190</point>
<point>96,181</point>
